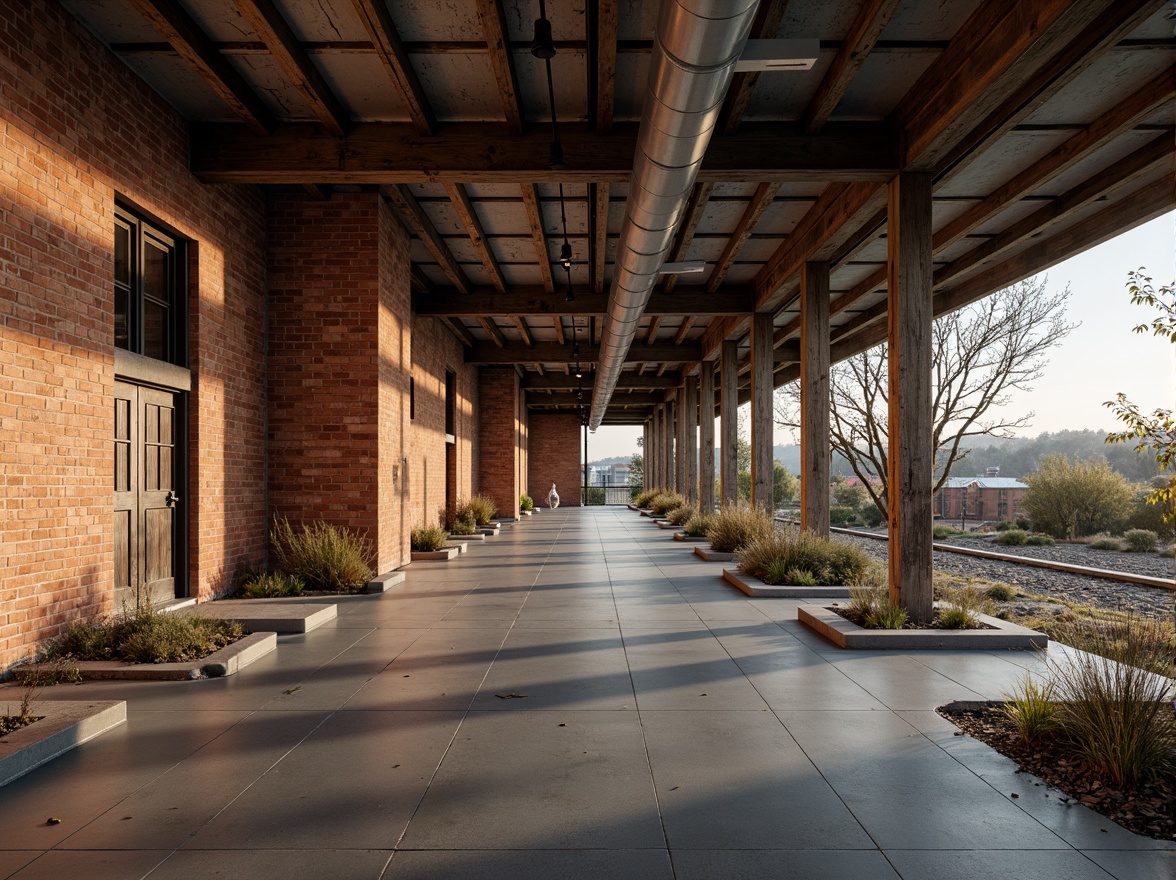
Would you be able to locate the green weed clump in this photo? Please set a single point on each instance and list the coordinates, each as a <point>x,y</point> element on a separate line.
<point>1012,537</point>
<point>1032,708</point>
<point>271,585</point>
<point>1004,525</point>
<point>941,531</point>
<point>960,607</point>
<point>1039,541</point>
<point>1000,593</point>
<point>698,526</point>
<point>1105,542</point>
<point>841,515</point>
<point>734,527</point>
<point>146,636</point>
<point>427,539</point>
<point>1140,541</point>
<point>324,556</point>
<point>526,502</point>
<point>870,606</point>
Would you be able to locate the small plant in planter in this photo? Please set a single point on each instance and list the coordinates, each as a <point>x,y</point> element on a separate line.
<point>464,521</point>
<point>697,526</point>
<point>643,498</point>
<point>427,539</point>
<point>483,509</point>
<point>324,556</point>
<point>870,606</point>
<point>145,636</point>
<point>735,527</point>
<point>681,515</point>
<point>526,502</point>
<point>795,558</point>
<point>271,585</point>
<point>663,504</point>
<point>960,605</point>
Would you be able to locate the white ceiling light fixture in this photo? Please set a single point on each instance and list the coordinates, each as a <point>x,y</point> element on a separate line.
<point>765,56</point>
<point>690,267</point>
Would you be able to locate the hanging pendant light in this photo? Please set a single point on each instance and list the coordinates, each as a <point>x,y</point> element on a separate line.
<point>542,46</point>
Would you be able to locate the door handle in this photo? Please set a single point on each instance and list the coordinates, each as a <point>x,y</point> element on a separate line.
<point>171,498</point>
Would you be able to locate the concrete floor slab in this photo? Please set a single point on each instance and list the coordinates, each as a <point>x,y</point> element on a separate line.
<point>802,760</point>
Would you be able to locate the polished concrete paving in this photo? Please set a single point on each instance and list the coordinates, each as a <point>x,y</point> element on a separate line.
<point>580,697</point>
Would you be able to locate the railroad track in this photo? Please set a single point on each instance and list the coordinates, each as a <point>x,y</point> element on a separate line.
<point>1101,573</point>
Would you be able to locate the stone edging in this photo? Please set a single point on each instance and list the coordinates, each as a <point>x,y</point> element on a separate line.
<point>845,634</point>
<point>708,555</point>
<point>757,589</point>
<point>63,726</point>
<point>227,661</point>
<point>682,536</point>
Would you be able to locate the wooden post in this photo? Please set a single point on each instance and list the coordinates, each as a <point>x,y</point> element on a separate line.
<point>680,422</point>
<point>653,451</point>
<point>671,469</point>
<point>646,448</point>
<point>761,412</point>
<point>706,424</point>
<point>690,438</point>
<point>910,461</point>
<point>814,398</point>
<point>729,422</point>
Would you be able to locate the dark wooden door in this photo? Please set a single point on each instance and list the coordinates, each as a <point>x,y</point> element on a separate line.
<point>145,498</point>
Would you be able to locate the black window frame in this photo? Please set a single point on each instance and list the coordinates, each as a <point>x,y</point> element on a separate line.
<point>143,232</point>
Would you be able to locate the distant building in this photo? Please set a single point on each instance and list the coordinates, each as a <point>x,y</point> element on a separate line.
<point>990,498</point>
<point>609,474</point>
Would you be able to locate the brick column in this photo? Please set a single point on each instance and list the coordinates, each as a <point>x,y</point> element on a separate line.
<point>500,432</point>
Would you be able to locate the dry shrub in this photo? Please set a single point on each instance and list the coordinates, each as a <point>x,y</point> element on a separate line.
<point>1031,707</point>
<point>643,498</point>
<point>698,526</point>
<point>822,560</point>
<point>734,527</point>
<point>667,501</point>
<point>146,636</point>
<point>324,556</point>
<point>681,515</point>
<point>427,539</point>
<point>483,508</point>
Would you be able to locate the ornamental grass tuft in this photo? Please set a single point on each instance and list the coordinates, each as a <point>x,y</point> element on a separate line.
<point>1031,708</point>
<point>324,556</point>
<point>667,501</point>
<point>681,515</point>
<point>483,508</point>
<point>735,527</point>
<point>773,557</point>
<point>427,539</point>
<point>698,526</point>
<point>146,636</point>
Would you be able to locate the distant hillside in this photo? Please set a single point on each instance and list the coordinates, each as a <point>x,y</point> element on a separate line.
<point>615,459</point>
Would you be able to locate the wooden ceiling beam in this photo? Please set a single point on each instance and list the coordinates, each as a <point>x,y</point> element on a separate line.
<point>422,227</point>
<point>695,208</point>
<point>871,19</point>
<point>532,301</point>
<point>760,202</point>
<point>388,45</point>
<point>629,380</point>
<point>599,224</point>
<point>620,399</point>
<point>473,152</point>
<point>683,329</point>
<point>473,226</point>
<point>493,332</point>
<point>607,21</point>
<point>654,327</point>
<point>493,19</point>
<point>294,61</point>
<point>538,234</point>
<point>548,352</point>
<point>195,47</point>
<point>458,329</point>
<point>765,26</point>
<point>557,323</point>
<point>524,332</point>
<point>1084,40</point>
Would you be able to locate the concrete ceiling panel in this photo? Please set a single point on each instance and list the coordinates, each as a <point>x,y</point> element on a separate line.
<point>363,87</point>
<point>1013,153</point>
<point>323,20</point>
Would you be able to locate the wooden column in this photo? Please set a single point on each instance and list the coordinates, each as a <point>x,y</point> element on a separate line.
<point>911,458</point>
<point>762,428</point>
<point>668,447</point>
<point>729,422</point>
<point>653,450</point>
<point>680,422</point>
<point>646,448</point>
<point>814,398</point>
<point>690,438</point>
<point>706,424</point>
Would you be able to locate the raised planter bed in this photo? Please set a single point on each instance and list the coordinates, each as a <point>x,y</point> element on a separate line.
<point>709,555</point>
<point>461,546</point>
<point>645,511</point>
<point>663,524</point>
<point>385,582</point>
<point>271,615</point>
<point>227,661</point>
<point>63,726</point>
<point>757,589</point>
<point>846,634</point>
<point>478,536</point>
<point>526,512</point>
<point>682,536</point>
<point>489,533</point>
<point>442,555</point>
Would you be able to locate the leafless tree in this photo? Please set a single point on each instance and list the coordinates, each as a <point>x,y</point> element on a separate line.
<point>979,354</point>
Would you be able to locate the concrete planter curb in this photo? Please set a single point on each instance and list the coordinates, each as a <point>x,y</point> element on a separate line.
<point>682,536</point>
<point>845,634</point>
<point>478,536</point>
<point>385,582</point>
<point>489,533</point>
<point>271,615</point>
<point>442,555</point>
<point>708,555</point>
<point>227,661</point>
<point>63,726</point>
<point>645,511</point>
<point>462,546</point>
<point>665,524</point>
<point>526,512</point>
<point>757,589</point>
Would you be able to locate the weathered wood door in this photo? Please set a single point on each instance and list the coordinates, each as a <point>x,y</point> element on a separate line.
<point>145,499</point>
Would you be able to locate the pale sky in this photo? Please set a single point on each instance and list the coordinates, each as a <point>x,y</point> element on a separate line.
<point>1096,361</point>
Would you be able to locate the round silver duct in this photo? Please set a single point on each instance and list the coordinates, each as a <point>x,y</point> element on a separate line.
<point>695,47</point>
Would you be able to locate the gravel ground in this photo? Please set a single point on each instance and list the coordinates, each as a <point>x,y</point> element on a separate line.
<point>1151,601</point>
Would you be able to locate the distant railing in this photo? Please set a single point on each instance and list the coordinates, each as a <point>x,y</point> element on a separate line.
<point>606,495</point>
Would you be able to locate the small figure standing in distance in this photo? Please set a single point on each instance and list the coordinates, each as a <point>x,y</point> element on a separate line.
<point>553,498</point>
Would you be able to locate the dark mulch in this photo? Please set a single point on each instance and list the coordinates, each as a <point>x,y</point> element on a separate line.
<point>12,723</point>
<point>1150,810</point>
<point>860,619</point>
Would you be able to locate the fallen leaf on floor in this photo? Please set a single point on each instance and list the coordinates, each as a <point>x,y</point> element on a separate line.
<point>511,696</point>
<point>53,820</point>
<point>296,687</point>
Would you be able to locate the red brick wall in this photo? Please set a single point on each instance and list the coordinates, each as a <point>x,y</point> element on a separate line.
<point>555,443</point>
<point>395,368</point>
<point>499,405</point>
<point>79,129</point>
<point>434,351</point>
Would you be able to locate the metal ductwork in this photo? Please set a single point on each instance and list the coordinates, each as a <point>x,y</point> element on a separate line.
<point>695,47</point>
